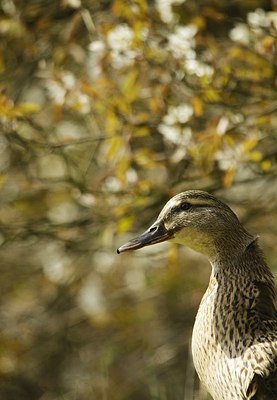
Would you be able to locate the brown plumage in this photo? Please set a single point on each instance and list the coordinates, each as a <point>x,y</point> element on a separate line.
<point>234,340</point>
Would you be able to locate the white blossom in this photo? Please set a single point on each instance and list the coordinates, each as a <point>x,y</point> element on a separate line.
<point>121,60</point>
<point>72,3</point>
<point>68,79</point>
<point>195,67</point>
<point>258,18</point>
<point>178,114</point>
<point>91,297</point>
<point>84,103</point>
<point>186,32</point>
<point>131,175</point>
<point>222,125</point>
<point>97,46</point>
<point>112,184</point>
<point>240,33</point>
<point>63,213</point>
<point>176,134</point>
<point>165,9</point>
<point>171,133</point>
<point>181,42</point>
<point>227,158</point>
<point>272,17</point>
<point>55,263</point>
<point>56,91</point>
<point>120,38</point>
<point>97,49</point>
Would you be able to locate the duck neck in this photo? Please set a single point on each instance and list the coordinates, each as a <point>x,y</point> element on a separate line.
<point>229,246</point>
<point>243,259</point>
<point>250,275</point>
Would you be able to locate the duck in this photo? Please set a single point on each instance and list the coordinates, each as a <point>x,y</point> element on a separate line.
<point>234,338</point>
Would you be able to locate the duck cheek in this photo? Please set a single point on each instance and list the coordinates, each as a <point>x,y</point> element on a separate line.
<point>200,242</point>
<point>182,237</point>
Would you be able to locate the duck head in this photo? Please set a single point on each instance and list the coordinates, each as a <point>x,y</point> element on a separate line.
<point>198,220</point>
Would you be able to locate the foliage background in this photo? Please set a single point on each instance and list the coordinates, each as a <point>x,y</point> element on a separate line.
<point>107,109</point>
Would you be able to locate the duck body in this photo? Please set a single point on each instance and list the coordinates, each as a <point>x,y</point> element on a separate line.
<point>234,340</point>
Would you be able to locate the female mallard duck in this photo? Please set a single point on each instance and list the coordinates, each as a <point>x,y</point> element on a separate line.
<point>234,340</point>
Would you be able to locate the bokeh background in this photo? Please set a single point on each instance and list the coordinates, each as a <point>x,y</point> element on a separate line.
<point>107,109</point>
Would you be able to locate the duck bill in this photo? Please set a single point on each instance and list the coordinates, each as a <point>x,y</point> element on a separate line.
<point>157,233</point>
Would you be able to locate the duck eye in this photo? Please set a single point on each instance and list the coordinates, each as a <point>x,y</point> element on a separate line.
<point>185,206</point>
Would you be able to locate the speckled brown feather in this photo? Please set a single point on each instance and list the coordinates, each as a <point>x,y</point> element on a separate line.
<point>241,339</point>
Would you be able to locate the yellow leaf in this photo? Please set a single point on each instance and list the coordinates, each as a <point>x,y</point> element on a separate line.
<point>139,132</point>
<point>268,42</point>
<point>199,21</point>
<point>121,167</point>
<point>266,165</point>
<point>212,95</point>
<point>112,123</point>
<point>155,104</point>
<point>115,144</point>
<point>197,106</point>
<point>249,144</point>
<point>255,156</point>
<point>122,105</point>
<point>263,120</point>
<point>129,81</point>
<point>124,224</point>
<point>229,177</point>
<point>26,108</point>
<point>140,118</point>
<point>229,140</point>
